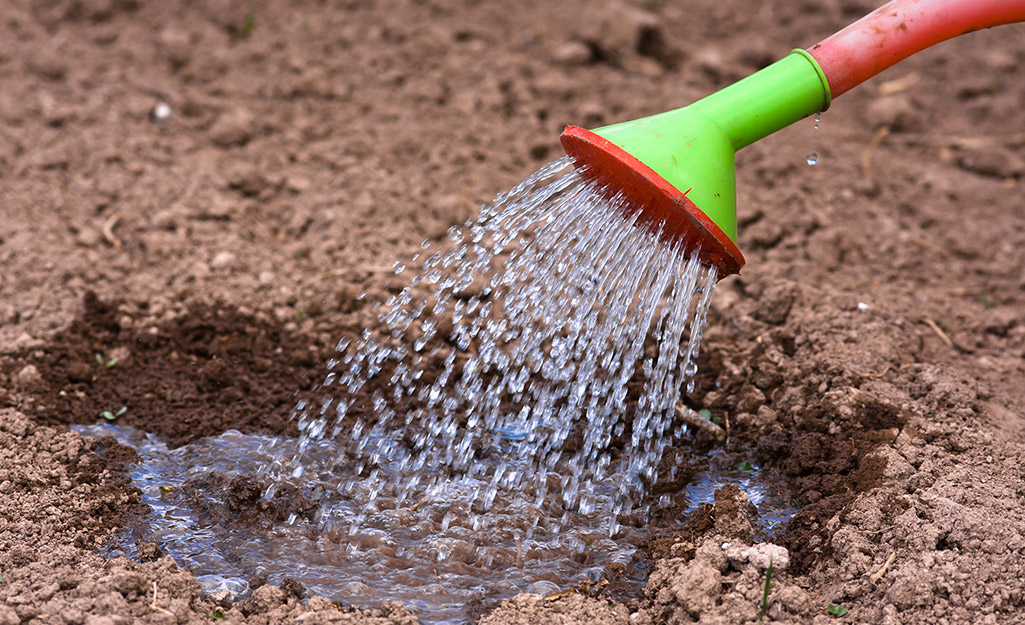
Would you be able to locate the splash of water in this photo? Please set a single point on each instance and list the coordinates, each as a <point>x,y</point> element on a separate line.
<point>510,363</point>
<point>496,433</point>
<point>428,557</point>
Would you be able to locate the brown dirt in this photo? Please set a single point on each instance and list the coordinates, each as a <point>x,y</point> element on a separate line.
<point>871,352</point>
<point>210,370</point>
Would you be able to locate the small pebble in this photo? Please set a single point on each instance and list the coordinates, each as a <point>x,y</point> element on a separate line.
<point>222,260</point>
<point>573,53</point>
<point>233,128</point>
<point>895,112</point>
<point>176,45</point>
<point>88,237</point>
<point>49,65</point>
<point>28,377</point>
<point>166,219</point>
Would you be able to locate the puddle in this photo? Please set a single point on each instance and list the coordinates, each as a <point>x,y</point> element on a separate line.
<point>433,556</point>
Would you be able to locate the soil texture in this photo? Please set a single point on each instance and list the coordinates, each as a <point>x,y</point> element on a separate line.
<point>194,194</point>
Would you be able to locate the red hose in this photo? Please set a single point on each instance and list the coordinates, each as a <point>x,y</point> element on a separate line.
<point>901,28</point>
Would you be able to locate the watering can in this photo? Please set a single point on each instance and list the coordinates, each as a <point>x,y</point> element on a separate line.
<point>677,168</point>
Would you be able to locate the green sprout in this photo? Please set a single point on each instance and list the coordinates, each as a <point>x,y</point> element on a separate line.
<point>248,24</point>
<point>747,467</point>
<point>166,489</point>
<point>987,300</point>
<point>105,362</point>
<point>836,610</point>
<point>112,416</point>
<point>765,592</point>
<point>706,414</point>
<point>217,614</point>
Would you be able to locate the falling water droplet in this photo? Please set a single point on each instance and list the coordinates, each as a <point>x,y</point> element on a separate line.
<point>813,158</point>
<point>463,398</point>
<point>818,118</point>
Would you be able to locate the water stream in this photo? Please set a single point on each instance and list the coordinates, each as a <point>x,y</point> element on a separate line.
<point>532,369</point>
<point>496,432</point>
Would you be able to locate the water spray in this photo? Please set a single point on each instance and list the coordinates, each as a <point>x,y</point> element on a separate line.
<point>677,167</point>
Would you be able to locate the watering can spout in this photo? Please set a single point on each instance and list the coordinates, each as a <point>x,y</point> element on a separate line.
<point>677,168</point>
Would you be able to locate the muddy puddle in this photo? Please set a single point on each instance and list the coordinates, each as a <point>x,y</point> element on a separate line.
<point>436,557</point>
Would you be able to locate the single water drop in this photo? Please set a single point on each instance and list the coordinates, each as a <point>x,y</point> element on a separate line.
<point>455,235</point>
<point>543,587</point>
<point>160,112</point>
<point>813,158</point>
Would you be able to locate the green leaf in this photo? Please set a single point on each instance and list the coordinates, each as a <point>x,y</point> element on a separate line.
<point>705,413</point>
<point>747,467</point>
<point>248,24</point>
<point>217,614</point>
<point>765,592</point>
<point>836,610</point>
<point>99,359</point>
<point>166,489</point>
<point>112,416</point>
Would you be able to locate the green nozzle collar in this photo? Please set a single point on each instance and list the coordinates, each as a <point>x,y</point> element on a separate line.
<point>693,147</point>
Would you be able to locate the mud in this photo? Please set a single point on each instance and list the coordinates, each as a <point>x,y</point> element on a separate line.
<point>211,370</point>
<point>871,352</point>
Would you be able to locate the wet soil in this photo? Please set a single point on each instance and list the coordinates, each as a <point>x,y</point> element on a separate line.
<point>211,370</point>
<point>871,352</point>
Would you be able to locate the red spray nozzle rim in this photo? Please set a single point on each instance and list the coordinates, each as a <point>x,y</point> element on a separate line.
<point>662,206</point>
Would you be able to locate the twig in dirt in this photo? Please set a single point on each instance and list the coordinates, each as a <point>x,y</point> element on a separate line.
<point>587,586</point>
<point>465,199</point>
<point>726,421</point>
<point>418,504</point>
<point>897,85</point>
<point>939,331</point>
<point>108,230</point>
<point>153,604</point>
<point>878,575</point>
<point>870,150</point>
<point>887,369</point>
<point>692,418</point>
<point>930,246</point>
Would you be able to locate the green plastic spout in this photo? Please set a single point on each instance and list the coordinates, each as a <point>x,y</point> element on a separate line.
<point>693,147</point>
